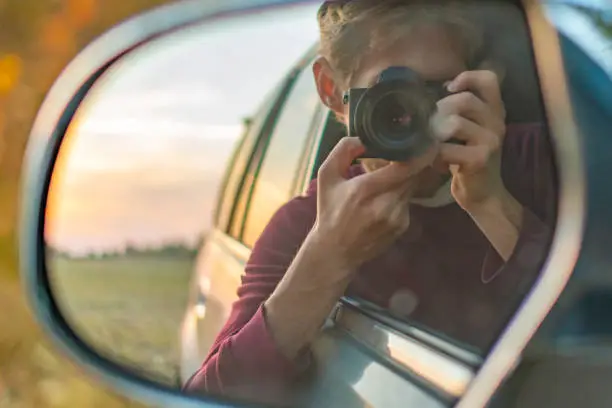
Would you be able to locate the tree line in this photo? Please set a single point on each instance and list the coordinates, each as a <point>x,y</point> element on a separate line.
<point>167,249</point>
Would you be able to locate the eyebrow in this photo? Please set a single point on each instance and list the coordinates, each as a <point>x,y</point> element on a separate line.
<point>429,81</point>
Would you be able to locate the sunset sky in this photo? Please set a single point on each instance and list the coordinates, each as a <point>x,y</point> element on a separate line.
<point>148,149</point>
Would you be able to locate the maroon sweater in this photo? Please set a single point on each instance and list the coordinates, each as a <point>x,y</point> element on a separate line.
<point>441,259</point>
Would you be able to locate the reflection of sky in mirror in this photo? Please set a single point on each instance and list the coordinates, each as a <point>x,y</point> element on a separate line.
<point>581,29</point>
<point>149,147</point>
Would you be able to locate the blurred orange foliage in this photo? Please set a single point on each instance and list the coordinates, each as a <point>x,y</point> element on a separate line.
<point>57,36</point>
<point>38,38</point>
<point>80,12</point>
<point>10,70</point>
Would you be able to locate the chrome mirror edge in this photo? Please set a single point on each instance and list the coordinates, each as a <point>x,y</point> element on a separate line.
<point>569,229</point>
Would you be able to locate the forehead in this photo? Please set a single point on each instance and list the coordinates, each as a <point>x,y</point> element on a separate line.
<point>427,49</point>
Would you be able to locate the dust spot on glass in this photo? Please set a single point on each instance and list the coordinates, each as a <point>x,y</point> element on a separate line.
<point>403,302</point>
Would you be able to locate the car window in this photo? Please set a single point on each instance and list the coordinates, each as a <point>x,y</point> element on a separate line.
<point>246,185</point>
<point>241,158</point>
<point>275,183</point>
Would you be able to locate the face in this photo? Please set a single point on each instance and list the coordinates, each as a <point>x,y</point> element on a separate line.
<point>429,51</point>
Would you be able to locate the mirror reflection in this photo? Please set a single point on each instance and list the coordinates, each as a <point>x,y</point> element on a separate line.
<point>222,189</point>
<point>136,183</point>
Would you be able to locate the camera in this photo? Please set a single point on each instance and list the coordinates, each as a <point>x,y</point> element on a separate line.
<point>392,117</point>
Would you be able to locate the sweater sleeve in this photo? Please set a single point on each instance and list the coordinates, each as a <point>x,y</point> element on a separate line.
<point>244,361</point>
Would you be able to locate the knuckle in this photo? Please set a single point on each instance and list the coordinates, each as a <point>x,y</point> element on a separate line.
<point>456,125</point>
<point>322,170</point>
<point>372,213</point>
<point>342,145</point>
<point>494,142</point>
<point>489,77</point>
<point>355,194</point>
<point>382,215</point>
<point>466,100</point>
<point>391,223</point>
<point>481,158</point>
<point>346,140</point>
<point>500,127</point>
<point>442,105</point>
<point>464,76</point>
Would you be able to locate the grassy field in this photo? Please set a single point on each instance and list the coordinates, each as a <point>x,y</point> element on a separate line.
<point>128,308</point>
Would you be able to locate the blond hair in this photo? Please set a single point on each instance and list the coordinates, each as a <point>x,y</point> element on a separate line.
<point>350,28</point>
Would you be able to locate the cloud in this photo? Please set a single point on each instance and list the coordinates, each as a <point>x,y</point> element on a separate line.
<point>134,144</point>
<point>102,103</point>
<point>152,129</point>
<point>106,191</point>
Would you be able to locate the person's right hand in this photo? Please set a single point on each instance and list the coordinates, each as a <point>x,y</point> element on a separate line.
<point>358,218</point>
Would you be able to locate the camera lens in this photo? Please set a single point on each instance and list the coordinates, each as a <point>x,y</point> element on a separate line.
<point>394,118</point>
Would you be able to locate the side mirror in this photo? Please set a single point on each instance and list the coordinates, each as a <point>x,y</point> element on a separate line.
<point>166,150</point>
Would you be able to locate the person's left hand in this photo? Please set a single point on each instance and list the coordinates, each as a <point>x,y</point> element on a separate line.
<point>475,115</point>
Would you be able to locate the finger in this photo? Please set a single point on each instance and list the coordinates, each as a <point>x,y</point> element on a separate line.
<point>484,83</point>
<point>470,106</point>
<point>468,158</point>
<point>462,129</point>
<point>336,165</point>
<point>395,174</point>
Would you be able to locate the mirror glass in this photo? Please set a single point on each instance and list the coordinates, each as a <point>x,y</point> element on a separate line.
<point>222,188</point>
<point>136,184</point>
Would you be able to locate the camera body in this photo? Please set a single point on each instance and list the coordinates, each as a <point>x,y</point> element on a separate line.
<point>392,118</point>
